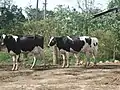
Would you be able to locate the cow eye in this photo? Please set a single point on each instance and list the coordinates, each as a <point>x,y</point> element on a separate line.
<point>52,41</point>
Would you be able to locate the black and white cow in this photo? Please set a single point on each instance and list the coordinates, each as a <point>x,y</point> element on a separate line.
<point>18,44</point>
<point>75,44</point>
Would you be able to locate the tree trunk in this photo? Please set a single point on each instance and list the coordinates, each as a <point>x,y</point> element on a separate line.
<point>55,55</point>
<point>114,52</point>
<point>45,6</point>
<point>37,10</point>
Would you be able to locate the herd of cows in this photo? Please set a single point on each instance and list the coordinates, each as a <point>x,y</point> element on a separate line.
<point>35,44</point>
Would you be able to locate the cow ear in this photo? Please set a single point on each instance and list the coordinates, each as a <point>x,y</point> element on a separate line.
<point>9,36</point>
<point>50,36</point>
<point>6,36</point>
<point>70,41</point>
<point>88,40</point>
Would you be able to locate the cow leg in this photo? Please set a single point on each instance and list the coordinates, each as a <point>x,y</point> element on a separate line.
<point>43,56</point>
<point>64,60</point>
<point>87,61</point>
<point>13,58</point>
<point>41,52</point>
<point>95,54</point>
<point>94,58</point>
<point>67,58</point>
<point>77,59</point>
<point>34,62</point>
<point>16,61</point>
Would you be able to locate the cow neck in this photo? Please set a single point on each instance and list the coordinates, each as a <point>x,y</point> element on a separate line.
<point>9,44</point>
<point>59,42</point>
<point>62,43</point>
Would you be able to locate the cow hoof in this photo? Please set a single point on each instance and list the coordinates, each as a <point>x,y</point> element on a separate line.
<point>31,68</point>
<point>13,69</point>
<point>85,66</point>
<point>77,64</point>
<point>44,66</point>
<point>16,69</point>
<point>63,66</point>
<point>81,62</point>
<point>88,64</point>
<point>95,63</point>
<point>67,66</point>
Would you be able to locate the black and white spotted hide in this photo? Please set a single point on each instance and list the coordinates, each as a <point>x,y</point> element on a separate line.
<point>22,44</point>
<point>74,44</point>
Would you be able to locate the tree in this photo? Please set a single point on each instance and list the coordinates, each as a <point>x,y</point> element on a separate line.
<point>31,13</point>
<point>88,8</point>
<point>114,3</point>
<point>10,17</point>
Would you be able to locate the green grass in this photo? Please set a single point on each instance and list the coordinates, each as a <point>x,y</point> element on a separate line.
<point>4,57</point>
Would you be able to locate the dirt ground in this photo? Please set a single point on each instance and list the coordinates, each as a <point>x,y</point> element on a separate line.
<point>100,77</point>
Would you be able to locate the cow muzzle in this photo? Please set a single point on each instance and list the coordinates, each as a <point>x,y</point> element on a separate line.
<point>48,46</point>
<point>2,44</point>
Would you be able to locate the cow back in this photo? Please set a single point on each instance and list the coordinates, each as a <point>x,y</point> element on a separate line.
<point>77,45</point>
<point>39,40</point>
<point>28,43</point>
<point>64,43</point>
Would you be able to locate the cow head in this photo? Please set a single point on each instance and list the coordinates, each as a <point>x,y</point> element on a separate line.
<point>52,41</point>
<point>3,39</point>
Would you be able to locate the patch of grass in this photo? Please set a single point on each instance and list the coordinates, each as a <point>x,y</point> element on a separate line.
<point>47,56</point>
<point>5,57</point>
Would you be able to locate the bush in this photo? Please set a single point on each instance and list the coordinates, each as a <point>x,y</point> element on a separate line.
<point>5,57</point>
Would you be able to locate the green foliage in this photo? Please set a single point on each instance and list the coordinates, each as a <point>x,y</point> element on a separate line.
<point>114,3</point>
<point>10,17</point>
<point>44,27</point>
<point>107,40</point>
<point>71,22</point>
<point>65,21</point>
<point>31,13</point>
<point>4,57</point>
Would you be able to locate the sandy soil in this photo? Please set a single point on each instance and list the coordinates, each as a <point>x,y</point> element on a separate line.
<point>101,77</point>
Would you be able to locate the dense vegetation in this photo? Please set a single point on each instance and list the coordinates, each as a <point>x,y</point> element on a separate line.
<point>66,21</point>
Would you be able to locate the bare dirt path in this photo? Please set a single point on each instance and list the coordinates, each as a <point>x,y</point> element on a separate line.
<point>101,77</point>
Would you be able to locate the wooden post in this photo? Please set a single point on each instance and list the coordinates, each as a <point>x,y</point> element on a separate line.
<point>55,55</point>
<point>45,6</point>
<point>114,52</point>
<point>37,9</point>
